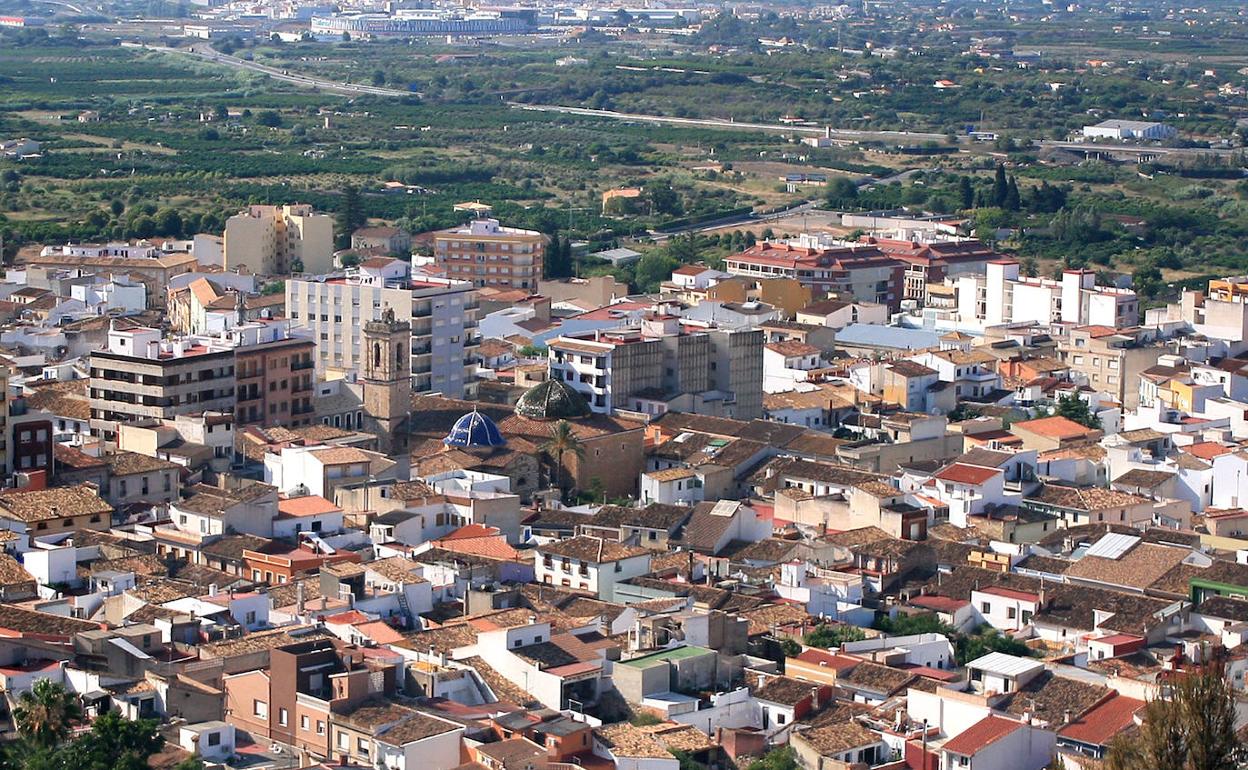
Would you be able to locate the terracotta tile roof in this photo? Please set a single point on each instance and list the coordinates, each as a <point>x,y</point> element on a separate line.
<point>1178,580</point>
<point>980,735</point>
<point>876,678</point>
<point>1048,697</point>
<point>68,399</point>
<point>785,690</point>
<point>763,619</point>
<point>261,641</point>
<point>397,569</point>
<point>626,740</point>
<point>591,549</point>
<point>1139,567</point>
<point>960,473</point>
<point>1056,427</point>
<point>1099,725</point>
<point>53,503</point>
<point>680,737</point>
<point>308,505</point>
<point>130,463</point>
<point>341,455</point>
<point>1207,450</point>
<point>209,500</point>
<point>493,547</point>
<point>825,659</point>
<point>1085,498</point>
<point>72,457</point>
<point>12,572</point>
<point>792,348</point>
<point>1143,478</point>
<point>939,603</point>
<point>504,689</point>
<point>446,639</point>
<point>831,740</point>
<point>516,753</point>
<point>22,621</point>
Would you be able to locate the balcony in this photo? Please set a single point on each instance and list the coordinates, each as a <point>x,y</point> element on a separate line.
<point>300,366</point>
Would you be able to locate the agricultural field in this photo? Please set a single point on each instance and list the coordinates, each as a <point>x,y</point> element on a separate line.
<point>148,143</point>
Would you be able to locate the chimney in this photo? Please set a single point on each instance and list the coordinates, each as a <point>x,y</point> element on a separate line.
<point>212,589</point>
<point>299,598</point>
<point>1066,716</point>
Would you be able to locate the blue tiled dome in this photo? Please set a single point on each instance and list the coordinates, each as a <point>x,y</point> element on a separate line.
<point>474,430</point>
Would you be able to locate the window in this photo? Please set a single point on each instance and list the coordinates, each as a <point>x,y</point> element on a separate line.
<point>779,719</point>
<point>344,741</point>
<point>260,708</point>
<point>214,739</point>
<point>320,727</point>
<point>985,608</point>
<point>1011,612</point>
<point>304,722</point>
<point>361,745</point>
<point>282,717</point>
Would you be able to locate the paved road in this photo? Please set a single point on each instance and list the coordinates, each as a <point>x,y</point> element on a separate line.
<point>208,54</point>
<point>841,133</point>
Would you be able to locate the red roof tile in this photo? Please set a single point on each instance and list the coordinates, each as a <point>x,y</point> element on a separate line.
<point>1207,450</point>
<point>837,663</point>
<point>960,473</point>
<point>1010,593</point>
<point>939,603</point>
<point>980,735</point>
<point>1102,723</point>
<point>1054,427</point>
<point>308,505</point>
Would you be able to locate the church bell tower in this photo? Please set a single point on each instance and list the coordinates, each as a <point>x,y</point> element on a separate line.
<point>388,381</point>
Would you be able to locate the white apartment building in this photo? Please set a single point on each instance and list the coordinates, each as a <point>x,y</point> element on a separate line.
<point>1002,296</point>
<point>1129,129</point>
<point>270,240</point>
<point>442,312</point>
<point>139,250</point>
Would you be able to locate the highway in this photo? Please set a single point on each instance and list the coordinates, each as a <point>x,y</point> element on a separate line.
<point>1132,149</point>
<point>206,53</point>
<point>840,133</point>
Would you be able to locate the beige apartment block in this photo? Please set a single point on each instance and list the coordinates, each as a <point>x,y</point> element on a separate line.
<point>272,240</point>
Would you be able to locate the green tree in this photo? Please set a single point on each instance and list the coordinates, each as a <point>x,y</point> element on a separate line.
<point>780,758</point>
<point>1012,200</point>
<point>1000,187</point>
<point>350,215</point>
<point>1074,408</point>
<point>978,645</point>
<point>919,623</point>
<point>966,191</point>
<point>842,192</point>
<point>652,269</point>
<point>379,77</point>
<point>563,440</point>
<point>270,118</point>
<point>45,713</point>
<point>826,636</point>
<point>113,743</point>
<point>662,197</point>
<point>1147,280</point>
<point>1193,730</point>
<point>169,222</point>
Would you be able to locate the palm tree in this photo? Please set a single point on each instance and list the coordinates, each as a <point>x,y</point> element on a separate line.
<point>562,439</point>
<point>45,713</point>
